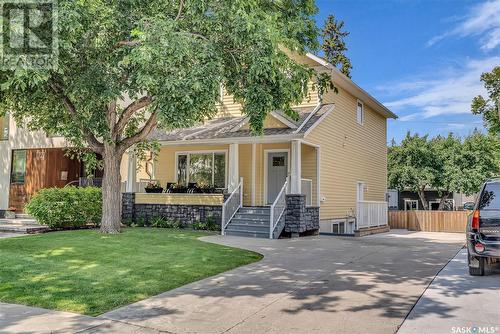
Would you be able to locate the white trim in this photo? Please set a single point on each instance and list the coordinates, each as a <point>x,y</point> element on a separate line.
<point>308,143</point>
<point>318,176</point>
<point>239,140</point>
<point>283,120</point>
<point>241,124</point>
<point>254,172</point>
<point>319,121</point>
<point>410,200</point>
<point>349,85</point>
<point>360,119</point>
<point>296,170</point>
<point>187,153</point>
<point>358,183</point>
<point>315,110</point>
<point>266,159</point>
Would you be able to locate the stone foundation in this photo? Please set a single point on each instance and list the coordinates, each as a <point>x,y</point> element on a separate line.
<point>300,219</point>
<point>188,214</point>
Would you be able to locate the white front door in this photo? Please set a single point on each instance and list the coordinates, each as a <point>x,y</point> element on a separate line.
<point>361,192</point>
<point>277,171</point>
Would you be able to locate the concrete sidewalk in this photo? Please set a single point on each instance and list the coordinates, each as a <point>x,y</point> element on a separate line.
<point>457,300</point>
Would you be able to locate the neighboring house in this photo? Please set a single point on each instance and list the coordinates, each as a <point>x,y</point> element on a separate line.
<point>326,169</point>
<point>409,200</point>
<point>335,155</point>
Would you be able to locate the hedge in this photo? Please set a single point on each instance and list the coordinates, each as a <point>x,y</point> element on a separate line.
<point>68,207</point>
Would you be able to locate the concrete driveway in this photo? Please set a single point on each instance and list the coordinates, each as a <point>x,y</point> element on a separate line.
<point>307,285</point>
<point>457,303</point>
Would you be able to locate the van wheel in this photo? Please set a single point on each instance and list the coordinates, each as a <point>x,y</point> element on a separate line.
<point>479,271</point>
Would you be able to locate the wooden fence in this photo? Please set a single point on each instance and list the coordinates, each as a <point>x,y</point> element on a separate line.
<point>429,221</point>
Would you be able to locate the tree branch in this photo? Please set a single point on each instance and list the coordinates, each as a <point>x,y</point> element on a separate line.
<point>92,141</point>
<point>179,12</point>
<point>141,135</point>
<point>129,112</point>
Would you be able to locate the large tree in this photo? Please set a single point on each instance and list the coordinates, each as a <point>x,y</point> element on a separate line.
<point>127,67</point>
<point>446,164</point>
<point>334,45</point>
<point>412,165</point>
<point>489,107</point>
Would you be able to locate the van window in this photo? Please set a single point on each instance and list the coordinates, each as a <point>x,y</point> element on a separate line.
<point>490,198</point>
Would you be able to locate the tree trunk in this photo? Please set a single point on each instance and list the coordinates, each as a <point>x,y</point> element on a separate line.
<point>111,188</point>
<point>421,195</point>
<point>443,199</point>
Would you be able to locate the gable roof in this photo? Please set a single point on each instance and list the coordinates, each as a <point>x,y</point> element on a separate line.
<point>346,83</point>
<point>227,127</point>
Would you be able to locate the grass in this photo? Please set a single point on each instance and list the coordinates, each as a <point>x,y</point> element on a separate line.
<point>90,273</point>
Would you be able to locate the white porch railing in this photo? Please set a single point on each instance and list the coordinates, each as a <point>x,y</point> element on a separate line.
<point>231,206</point>
<point>306,188</point>
<point>371,213</point>
<point>277,209</point>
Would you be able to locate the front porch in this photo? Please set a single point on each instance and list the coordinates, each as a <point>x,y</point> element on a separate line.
<point>230,183</point>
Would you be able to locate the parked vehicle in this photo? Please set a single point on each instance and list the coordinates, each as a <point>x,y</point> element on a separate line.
<point>483,230</point>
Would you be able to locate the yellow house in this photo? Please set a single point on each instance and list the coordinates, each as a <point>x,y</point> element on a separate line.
<point>327,170</point>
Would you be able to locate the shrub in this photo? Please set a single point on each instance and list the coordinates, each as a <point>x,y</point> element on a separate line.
<point>160,222</point>
<point>68,207</point>
<point>128,222</point>
<point>139,222</point>
<point>209,224</point>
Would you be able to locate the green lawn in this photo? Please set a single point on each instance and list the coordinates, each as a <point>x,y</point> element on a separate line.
<point>90,273</point>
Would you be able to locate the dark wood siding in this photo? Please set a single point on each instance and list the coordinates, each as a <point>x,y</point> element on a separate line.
<point>44,169</point>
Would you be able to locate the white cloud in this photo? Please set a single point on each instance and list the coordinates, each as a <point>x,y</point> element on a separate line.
<point>483,20</point>
<point>450,93</point>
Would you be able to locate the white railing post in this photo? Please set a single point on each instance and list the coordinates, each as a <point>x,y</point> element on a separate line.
<point>241,192</point>
<point>233,206</point>
<point>223,219</point>
<point>271,223</point>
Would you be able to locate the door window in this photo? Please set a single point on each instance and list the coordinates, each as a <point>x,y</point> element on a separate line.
<point>18,171</point>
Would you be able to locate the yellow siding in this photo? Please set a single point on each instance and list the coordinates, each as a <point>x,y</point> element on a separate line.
<point>141,170</point>
<point>165,164</point>
<point>350,152</point>
<point>180,199</point>
<point>229,107</point>
<point>309,170</point>
<point>269,123</point>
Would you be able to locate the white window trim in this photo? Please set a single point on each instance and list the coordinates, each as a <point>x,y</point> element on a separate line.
<point>363,185</point>
<point>412,201</point>
<point>362,120</point>
<point>188,153</point>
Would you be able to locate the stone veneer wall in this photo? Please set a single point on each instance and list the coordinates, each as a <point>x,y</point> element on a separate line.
<point>300,218</point>
<point>185,213</point>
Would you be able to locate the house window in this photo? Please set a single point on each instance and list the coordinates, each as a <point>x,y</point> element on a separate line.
<point>204,168</point>
<point>360,113</point>
<point>411,204</point>
<point>18,171</point>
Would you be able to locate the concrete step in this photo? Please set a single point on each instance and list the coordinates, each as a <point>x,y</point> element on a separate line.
<point>251,216</point>
<point>246,221</point>
<point>254,210</point>
<point>245,228</point>
<point>26,226</point>
<point>253,234</point>
<point>24,216</point>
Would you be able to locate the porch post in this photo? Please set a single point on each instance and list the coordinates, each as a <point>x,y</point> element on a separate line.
<point>131,172</point>
<point>296,168</point>
<point>233,177</point>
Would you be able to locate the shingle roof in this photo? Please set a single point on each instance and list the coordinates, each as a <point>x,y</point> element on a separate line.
<point>224,127</point>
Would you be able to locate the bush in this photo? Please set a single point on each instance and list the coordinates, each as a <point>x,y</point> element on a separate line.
<point>166,223</point>
<point>68,207</point>
<point>208,224</point>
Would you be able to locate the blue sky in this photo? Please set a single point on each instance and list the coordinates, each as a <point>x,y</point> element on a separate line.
<point>422,59</point>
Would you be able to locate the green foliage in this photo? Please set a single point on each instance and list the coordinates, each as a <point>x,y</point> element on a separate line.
<point>128,222</point>
<point>139,222</point>
<point>160,222</point>
<point>489,108</point>
<point>209,224</point>
<point>68,207</point>
<point>85,272</point>
<point>447,164</point>
<point>334,45</point>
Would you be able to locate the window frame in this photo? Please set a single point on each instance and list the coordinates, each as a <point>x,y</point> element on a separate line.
<point>188,161</point>
<point>360,118</point>
<point>12,167</point>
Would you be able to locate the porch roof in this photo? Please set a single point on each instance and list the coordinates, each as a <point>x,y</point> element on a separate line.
<point>228,127</point>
